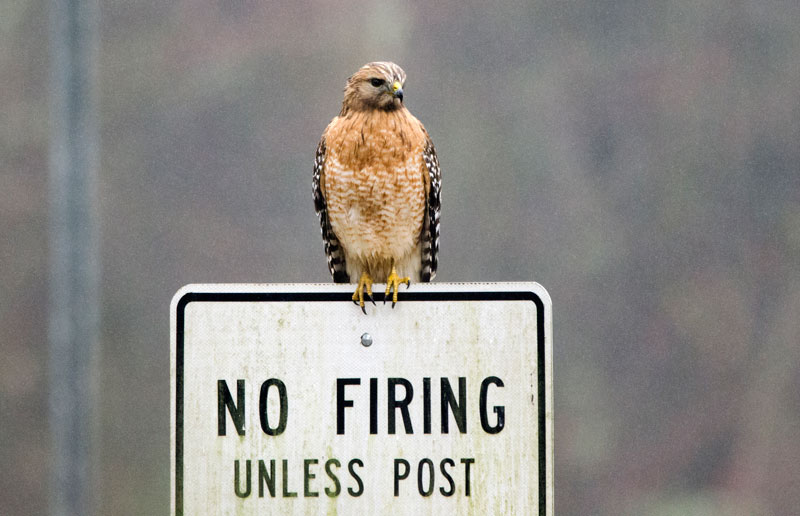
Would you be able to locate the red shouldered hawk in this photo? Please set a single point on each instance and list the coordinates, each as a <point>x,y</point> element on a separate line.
<point>377,187</point>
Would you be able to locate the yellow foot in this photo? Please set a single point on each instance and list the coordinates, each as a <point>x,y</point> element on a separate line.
<point>393,283</point>
<point>364,284</point>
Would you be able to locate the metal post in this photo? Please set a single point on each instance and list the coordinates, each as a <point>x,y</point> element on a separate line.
<point>73,317</point>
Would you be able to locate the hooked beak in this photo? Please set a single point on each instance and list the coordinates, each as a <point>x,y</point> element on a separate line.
<point>397,90</point>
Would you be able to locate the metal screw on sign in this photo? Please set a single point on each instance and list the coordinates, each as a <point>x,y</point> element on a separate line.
<point>366,340</point>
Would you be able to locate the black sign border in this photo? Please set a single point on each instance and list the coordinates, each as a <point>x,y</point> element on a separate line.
<point>512,295</point>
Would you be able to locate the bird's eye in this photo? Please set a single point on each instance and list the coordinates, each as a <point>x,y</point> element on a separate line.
<point>377,82</point>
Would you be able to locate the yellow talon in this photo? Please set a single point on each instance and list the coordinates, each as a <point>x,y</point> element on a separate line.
<point>365,283</point>
<point>393,283</point>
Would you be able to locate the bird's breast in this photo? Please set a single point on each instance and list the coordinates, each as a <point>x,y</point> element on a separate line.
<point>374,186</point>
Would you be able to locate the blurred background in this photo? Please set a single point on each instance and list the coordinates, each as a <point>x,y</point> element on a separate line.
<point>640,159</point>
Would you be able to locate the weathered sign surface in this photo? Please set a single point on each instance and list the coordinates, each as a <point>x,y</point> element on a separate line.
<point>286,399</point>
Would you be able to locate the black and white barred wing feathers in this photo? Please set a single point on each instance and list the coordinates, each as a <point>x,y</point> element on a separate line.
<point>433,207</point>
<point>333,249</point>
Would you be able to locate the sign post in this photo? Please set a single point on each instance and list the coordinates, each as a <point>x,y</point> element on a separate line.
<point>286,399</point>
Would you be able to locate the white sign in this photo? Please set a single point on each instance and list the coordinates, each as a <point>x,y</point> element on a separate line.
<point>287,399</point>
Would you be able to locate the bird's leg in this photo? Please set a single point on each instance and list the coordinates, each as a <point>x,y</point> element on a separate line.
<point>393,283</point>
<point>365,283</point>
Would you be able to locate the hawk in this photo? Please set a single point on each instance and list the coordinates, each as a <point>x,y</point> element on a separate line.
<point>377,187</point>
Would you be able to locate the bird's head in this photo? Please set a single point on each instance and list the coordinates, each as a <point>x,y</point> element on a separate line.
<point>377,85</point>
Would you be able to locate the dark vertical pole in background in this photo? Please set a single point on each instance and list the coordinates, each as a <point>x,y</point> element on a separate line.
<point>75,266</point>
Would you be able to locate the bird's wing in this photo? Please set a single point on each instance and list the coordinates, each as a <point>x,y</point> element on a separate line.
<point>433,206</point>
<point>333,250</point>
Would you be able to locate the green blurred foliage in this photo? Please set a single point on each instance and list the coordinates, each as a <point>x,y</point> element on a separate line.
<point>639,159</point>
